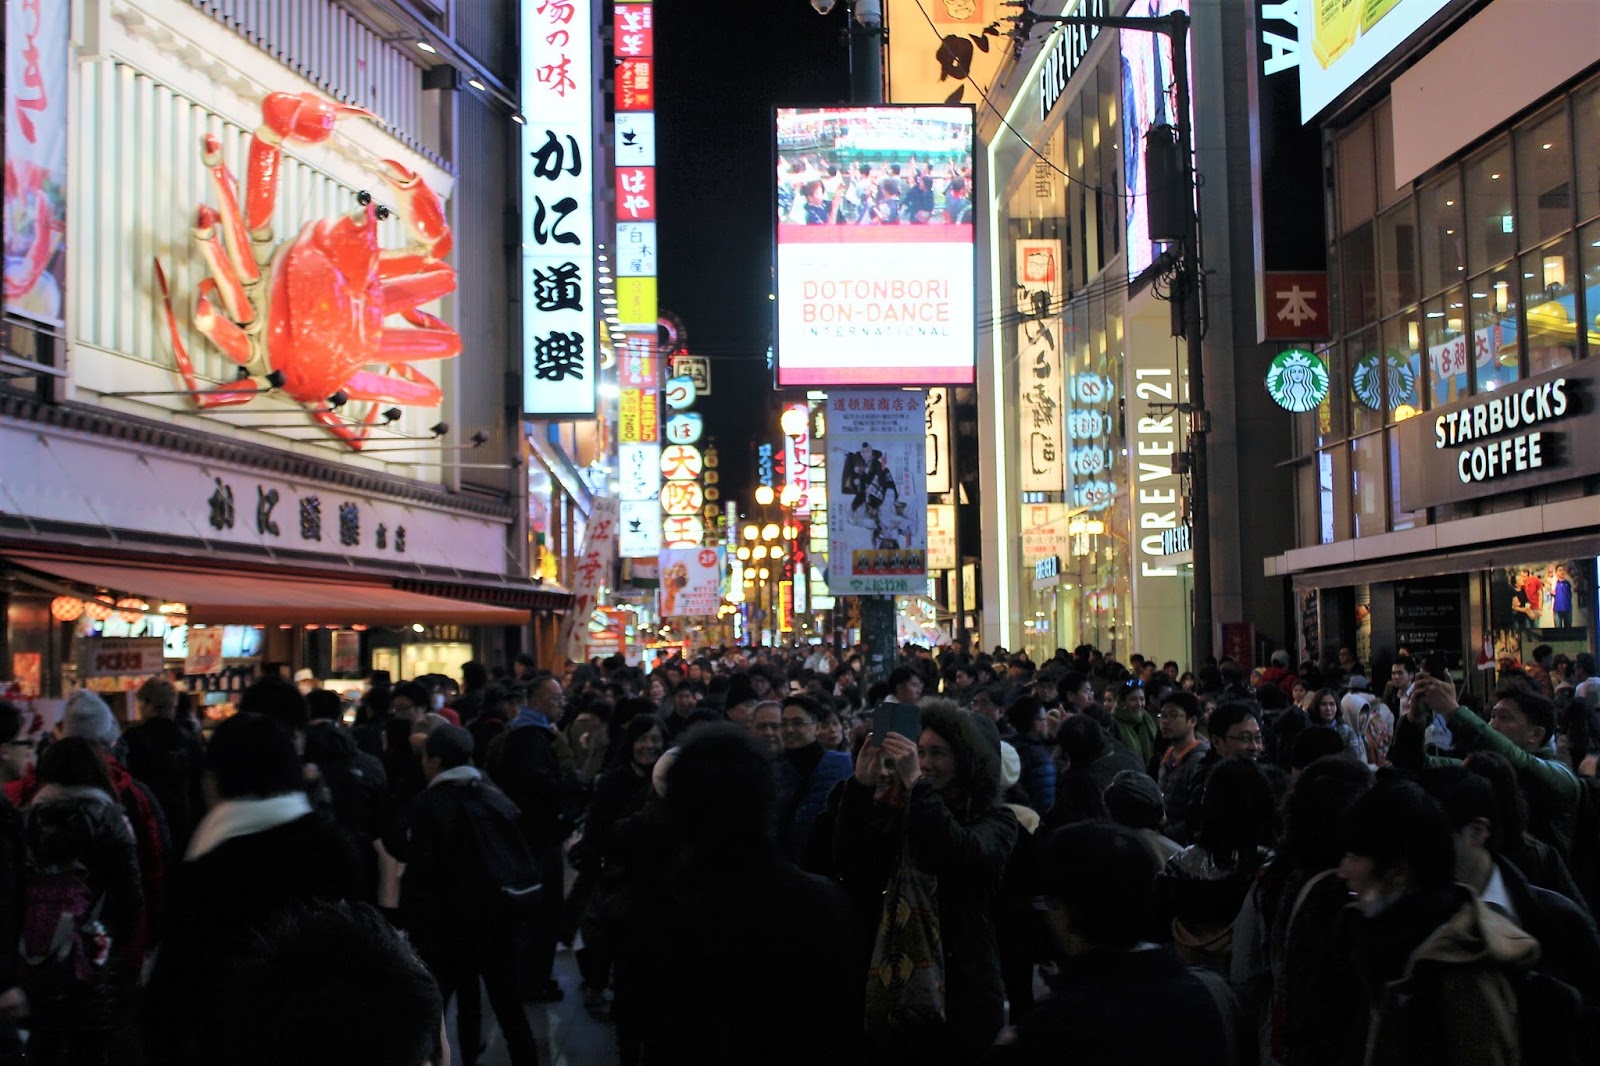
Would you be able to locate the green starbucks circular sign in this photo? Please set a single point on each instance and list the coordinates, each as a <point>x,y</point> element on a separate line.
<point>1374,375</point>
<point>1297,380</point>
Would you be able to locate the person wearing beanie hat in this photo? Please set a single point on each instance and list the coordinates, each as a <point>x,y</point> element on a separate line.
<point>87,716</point>
<point>1134,800</point>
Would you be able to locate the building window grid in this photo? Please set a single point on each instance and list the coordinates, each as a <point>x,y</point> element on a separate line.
<point>1337,431</point>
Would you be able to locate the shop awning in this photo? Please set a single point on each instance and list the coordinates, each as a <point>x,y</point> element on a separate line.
<point>218,597</point>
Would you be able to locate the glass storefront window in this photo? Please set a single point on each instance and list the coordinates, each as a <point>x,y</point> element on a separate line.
<point>1363,371</point>
<point>1544,177</point>
<point>1354,174</point>
<point>1399,518</point>
<point>1494,328</point>
<point>1449,348</point>
<point>1402,343</point>
<point>1589,249</point>
<point>1388,195</point>
<point>1444,249</point>
<point>1360,278</point>
<point>1333,502</point>
<point>1367,460</point>
<point>1491,218</point>
<point>1397,259</point>
<point>1586,120</point>
<point>1550,304</point>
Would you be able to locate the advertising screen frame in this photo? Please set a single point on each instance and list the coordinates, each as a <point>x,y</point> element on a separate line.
<point>1364,50</point>
<point>918,377</point>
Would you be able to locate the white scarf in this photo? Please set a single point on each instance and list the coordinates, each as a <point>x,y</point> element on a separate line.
<point>463,774</point>
<point>242,817</point>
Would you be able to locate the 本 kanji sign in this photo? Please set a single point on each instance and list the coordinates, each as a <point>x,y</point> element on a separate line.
<point>1296,306</point>
<point>560,299</point>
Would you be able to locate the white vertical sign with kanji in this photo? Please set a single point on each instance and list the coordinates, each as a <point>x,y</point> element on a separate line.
<point>593,570</point>
<point>560,299</point>
<point>939,451</point>
<point>1040,413</point>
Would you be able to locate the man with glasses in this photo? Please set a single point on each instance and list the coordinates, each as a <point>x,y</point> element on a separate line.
<point>806,774</point>
<point>1178,718</point>
<point>1235,728</point>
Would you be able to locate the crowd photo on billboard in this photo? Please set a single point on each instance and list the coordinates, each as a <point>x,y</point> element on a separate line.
<point>1548,602</point>
<point>874,167</point>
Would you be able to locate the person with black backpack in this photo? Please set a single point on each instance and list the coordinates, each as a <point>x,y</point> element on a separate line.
<point>525,763</point>
<point>168,759</point>
<point>80,907</point>
<point>469,879</point>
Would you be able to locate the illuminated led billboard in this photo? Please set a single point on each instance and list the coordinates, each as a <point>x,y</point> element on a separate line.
<point>875,254</point>
<point>1341,41</point>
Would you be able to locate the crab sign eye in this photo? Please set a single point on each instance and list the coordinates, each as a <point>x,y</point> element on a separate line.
<point>363,198</point>
<point>383,214</point>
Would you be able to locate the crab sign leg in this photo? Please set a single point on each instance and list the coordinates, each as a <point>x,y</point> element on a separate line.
<point>228,286</point>
<point>292,118</point>
<point>403,293</point>
<point>342,429</point>
<point>421,208</point>
<point>408,386</point>
<point>233,341</point>
<point>226,395</point>
<point>432,339</point>
<point>234,236</point>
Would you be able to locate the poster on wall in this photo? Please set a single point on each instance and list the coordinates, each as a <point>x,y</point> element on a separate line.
<point>861,192</point>
<point>204,651</point>
<point>1149,98</point>
<point>691,581</point>
<point>36,159</point>
<point>1040,429</point>
<point>878,537</point>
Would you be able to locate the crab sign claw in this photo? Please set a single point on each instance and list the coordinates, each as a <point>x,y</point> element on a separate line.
<point>420,207</point>
<point>294,118</point>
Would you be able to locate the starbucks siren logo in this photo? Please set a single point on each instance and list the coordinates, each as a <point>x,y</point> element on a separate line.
<point>1367,381</point>
<point>1297,380</point>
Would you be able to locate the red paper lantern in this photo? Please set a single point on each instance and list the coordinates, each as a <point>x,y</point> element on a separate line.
<point>66,608</point>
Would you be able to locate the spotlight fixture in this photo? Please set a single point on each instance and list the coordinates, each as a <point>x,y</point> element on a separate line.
<point>391,415</point>
<point>439,429</point>
<point>476,84</point>
<point>519,119</point>
<point>338,399</point>
<point>275,379</point>
<point>428,48</point>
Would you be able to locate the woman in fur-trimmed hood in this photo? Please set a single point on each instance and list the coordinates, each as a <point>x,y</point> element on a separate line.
<point>937,801</point>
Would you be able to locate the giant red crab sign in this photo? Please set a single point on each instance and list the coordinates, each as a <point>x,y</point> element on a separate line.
<point>307,315</point>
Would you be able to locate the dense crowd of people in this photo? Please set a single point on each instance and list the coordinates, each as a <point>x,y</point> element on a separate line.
<point>759,855</point>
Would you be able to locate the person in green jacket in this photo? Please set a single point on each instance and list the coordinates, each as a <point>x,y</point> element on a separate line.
<point>1521,722</point>
<point>1135,727</point>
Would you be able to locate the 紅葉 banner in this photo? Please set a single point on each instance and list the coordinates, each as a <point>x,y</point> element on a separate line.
<point>875,246</point>
<point>877,493</point>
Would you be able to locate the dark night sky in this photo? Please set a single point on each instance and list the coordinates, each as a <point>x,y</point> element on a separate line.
<point>721,67</point>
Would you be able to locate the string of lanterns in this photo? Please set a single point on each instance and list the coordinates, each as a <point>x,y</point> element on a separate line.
<point>129,609</point>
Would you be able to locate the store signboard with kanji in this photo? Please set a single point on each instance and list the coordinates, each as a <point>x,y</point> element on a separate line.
<point>939,449</point>
<point>1040,400</point>
<point>636,85</point>
<point>877,522</point>
<point>561,351</point>
<point>591,572</point>
<point>1295,305</point>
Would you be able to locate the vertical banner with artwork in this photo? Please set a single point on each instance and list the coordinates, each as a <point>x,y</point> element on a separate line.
<point>593,570</point>
<point>878,537</point>
<point>1039,365</point>
<point>940,453</point>
<point>36,159</point>
<point>937,46</point>
<point>691,582</point>
<point>561,295</point>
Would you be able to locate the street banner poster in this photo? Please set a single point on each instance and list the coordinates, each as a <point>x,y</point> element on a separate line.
<point>938,47</point>
<point>1039,365</point>
<point>691,581</point>
<point>875,253</point>
<point>205,650</point>
<point>593,570</point>
<point>878,534</point>
<point>35,225</point>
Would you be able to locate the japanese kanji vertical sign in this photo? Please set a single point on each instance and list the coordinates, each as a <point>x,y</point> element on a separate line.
<point>592,572</point>
<point>560,300</point>
<point>633,56</point>
<point>939,448</point>
<point>1040,438</point>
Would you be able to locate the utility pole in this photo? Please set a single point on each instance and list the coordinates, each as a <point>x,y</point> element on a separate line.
<point>1186,288</point>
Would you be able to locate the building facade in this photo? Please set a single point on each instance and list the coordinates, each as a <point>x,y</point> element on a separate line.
<point>337,488</point>
<point>1446,486</point>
